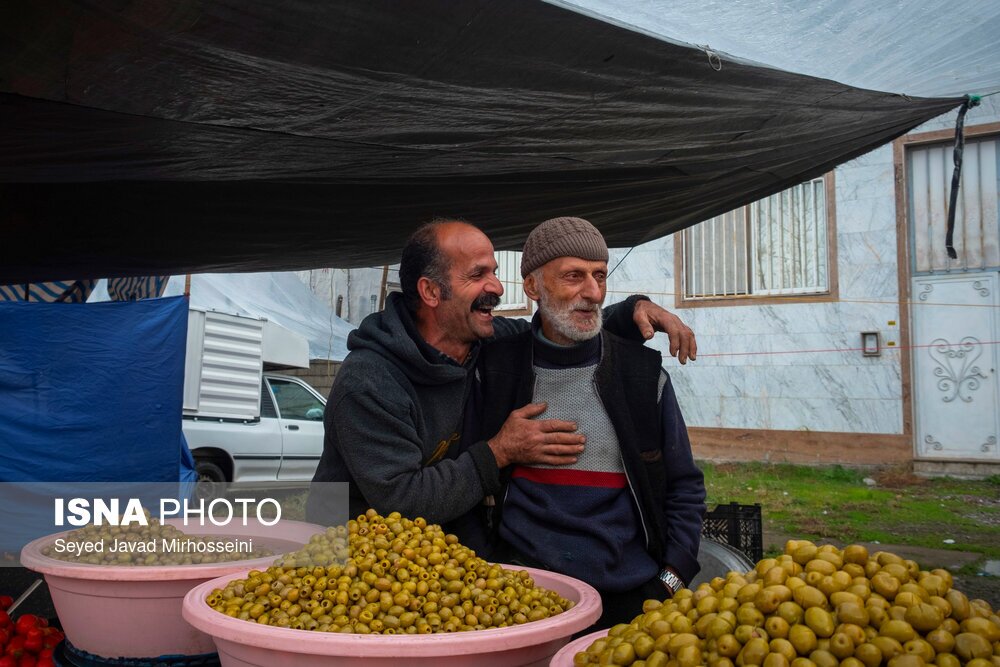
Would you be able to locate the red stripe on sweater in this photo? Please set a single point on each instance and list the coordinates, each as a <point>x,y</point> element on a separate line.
<point>571,477</point>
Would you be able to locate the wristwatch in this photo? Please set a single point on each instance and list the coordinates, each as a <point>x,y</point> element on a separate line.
<point>671,581</point>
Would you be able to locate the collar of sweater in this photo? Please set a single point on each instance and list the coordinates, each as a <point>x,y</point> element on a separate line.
<point>547,354</point>
<point>429,352</point>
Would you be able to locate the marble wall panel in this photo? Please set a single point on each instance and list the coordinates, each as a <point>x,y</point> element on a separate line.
<point>869,281</point>
<point>798,414</point>
<point>860,182</point>
<point>794,414</point>
<point>701,410</point>
<point>873,415</point>
<point>868,416</point>
<point>733,321</point>
<point>712,381</point>
<point>869,314</point>
<point>683,380</point>
<point>872,247</point>
<point>878,156</point>
<point>749,413</point>
<point>808,349</point>
<point>866,215</point>
<point>863,381</point>
<point>715,350</point>
<point>803,318</point>
<point>648,269</point>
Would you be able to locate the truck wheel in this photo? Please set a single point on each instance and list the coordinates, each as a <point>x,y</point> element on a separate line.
<point>211,479</point>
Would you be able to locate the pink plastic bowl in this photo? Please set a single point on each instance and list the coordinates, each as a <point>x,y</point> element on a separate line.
<point>245,644</point>
<point>135,611</point>
<point>564,658</point>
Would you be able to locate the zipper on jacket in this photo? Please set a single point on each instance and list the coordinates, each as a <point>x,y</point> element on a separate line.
<point>635,498</point>
<point>497,510</point>
<point>534,386</point>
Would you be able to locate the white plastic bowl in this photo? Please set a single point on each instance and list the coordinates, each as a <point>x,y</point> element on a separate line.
<point>246,644</point>
<point>134,611</point>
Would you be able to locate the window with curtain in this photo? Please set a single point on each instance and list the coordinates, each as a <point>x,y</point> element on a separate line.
<point>776,246</point>
<point>977,212</point>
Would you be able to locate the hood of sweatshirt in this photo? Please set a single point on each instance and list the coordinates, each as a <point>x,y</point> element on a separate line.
<point>393,334</point>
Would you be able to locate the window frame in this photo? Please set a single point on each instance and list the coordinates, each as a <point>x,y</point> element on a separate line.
<point>936,139</point>
<point>277,405</point>
<point>267,403</point>
<point>832,293</point>
<point>513,310</point>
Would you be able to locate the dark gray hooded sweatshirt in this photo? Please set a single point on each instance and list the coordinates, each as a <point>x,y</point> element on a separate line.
<point>396,407</point>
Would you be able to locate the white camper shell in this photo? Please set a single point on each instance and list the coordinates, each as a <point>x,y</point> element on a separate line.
<point>244,422</point>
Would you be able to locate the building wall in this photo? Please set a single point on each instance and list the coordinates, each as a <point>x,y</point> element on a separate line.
<point>787,381</point>
<point>357,287</point>
<point>768,366</point>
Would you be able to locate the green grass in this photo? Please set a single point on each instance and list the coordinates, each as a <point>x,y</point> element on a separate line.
<point>833,503</point>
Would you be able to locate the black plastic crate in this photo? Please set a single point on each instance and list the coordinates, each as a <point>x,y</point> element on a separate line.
<point>739,526</point>
<point>67,655</point>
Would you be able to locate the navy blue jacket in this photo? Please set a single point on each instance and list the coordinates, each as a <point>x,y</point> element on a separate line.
<point>667,487</point>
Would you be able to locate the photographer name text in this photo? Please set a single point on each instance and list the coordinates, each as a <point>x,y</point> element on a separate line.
<point>160,546</point>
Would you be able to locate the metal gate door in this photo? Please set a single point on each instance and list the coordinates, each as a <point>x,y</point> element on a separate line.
<point>954,366</point>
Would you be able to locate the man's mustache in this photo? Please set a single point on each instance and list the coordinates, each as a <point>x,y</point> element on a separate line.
<point>489,301</point>
<point>586,305</point>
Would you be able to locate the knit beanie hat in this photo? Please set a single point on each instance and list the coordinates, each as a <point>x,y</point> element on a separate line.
<point>562,237</point>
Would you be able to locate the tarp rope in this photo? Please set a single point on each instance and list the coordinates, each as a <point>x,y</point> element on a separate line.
<point>956,177</point>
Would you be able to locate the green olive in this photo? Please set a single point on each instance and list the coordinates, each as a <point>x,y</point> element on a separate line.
<point>387,575</point>
<point>730,622</point>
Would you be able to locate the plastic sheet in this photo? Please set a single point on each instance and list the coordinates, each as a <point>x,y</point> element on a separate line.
<point>279,297</point>
<point>98,383</point>
<point>221,135</point>
<point>916,47</point>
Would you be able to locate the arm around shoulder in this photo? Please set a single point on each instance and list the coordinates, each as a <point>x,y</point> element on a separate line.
<point>508,326</point>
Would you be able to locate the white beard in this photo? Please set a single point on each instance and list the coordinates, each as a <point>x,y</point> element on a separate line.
<point>560,318</point>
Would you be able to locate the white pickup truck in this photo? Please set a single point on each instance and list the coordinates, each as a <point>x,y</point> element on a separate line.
<point>244,423</point>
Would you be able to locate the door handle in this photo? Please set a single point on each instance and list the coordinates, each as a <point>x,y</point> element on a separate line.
<point>292,427</point>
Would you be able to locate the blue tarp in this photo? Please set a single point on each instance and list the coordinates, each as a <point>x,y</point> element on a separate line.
<point>92,392</point>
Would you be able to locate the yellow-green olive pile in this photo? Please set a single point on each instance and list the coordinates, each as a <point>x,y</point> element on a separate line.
<point>322,550</point>
<point>154,544</point>
<point>394,576</point>
<point>811,607</point>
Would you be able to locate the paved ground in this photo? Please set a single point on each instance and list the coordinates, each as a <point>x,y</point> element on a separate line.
<point>16,580</point>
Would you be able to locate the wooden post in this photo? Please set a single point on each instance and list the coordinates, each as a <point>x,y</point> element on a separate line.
<point>385,281</point>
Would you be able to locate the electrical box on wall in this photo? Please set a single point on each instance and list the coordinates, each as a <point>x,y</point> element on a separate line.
<point>871,344</point>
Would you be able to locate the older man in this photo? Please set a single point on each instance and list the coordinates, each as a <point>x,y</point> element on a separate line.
<point>626,516</point>
<point>394,419</point>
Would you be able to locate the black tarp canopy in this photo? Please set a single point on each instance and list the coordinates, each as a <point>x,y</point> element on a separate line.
<point>145,138</point>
